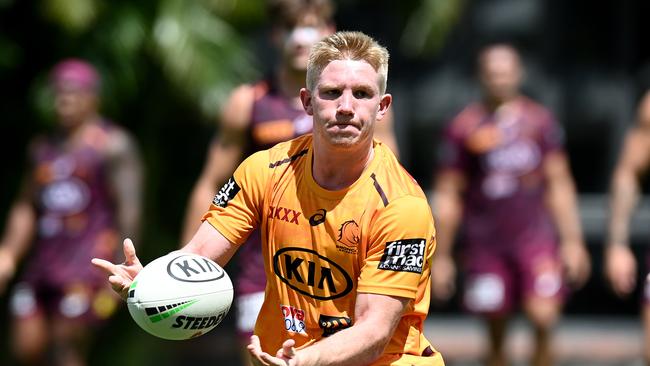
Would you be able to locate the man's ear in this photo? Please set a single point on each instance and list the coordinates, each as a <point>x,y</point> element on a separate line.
<point>305,98</point>
<point>384,103</point>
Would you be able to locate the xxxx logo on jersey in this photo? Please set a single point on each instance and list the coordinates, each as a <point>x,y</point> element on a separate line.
<point>284,214</point>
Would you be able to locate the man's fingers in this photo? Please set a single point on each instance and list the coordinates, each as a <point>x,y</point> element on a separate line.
<point>117,281</point>
<point>255,341</point>
<point>287,348</point>
<point>267,359</point>
<point>104,265</point>
<point>129,252</point>
<point>255,349</point>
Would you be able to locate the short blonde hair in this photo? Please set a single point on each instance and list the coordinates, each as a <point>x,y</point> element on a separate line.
<point>347,46</point>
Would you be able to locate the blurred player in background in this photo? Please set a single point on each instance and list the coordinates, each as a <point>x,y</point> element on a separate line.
<point>347,234</point>
<point>505,178</point>
<point>82,191</point>
<point>620,264</point>
<point>257,117</point>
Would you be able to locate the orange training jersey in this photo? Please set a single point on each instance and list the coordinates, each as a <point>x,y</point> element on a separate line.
<point>321,247</point>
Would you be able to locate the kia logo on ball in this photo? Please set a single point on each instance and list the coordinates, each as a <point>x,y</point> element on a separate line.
<point>193,268</point>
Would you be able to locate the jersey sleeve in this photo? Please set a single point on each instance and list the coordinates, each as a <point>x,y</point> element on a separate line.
<point>400,247</point>
<point>552,135</point>
<point>235,209</point>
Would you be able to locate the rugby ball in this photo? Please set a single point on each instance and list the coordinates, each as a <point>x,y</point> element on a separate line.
<point>180,296</point>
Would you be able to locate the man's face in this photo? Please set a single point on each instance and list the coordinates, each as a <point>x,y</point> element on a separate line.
<point>297,41</point>
<point>500,74</point>
<point>346,103</point>
<point>73,104</point>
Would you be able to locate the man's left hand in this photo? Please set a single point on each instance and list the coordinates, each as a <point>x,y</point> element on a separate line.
<point>286,356</point>
<point>576,263</point>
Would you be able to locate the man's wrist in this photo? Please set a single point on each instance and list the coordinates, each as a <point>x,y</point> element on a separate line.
<point>618,243</point>
<point>7,254</point>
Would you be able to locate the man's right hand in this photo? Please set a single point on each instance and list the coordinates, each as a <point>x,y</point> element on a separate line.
<point>620,268</point>
<point>7,268</point>
<point>121,275</point>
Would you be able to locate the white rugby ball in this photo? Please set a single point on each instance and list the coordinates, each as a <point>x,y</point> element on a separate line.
<point>180,296</point>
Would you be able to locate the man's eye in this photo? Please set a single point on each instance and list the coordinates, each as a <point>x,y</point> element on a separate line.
<point>331,93</point>
<point>361,94</point>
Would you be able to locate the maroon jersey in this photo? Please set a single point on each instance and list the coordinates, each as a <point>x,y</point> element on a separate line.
<point>501,154</point>
<point>274,119</point>
<point>75,213</point>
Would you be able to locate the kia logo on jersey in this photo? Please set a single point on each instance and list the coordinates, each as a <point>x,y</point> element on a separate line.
<point>311,274</point>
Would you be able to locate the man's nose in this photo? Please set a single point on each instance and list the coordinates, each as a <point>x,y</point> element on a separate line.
<point>345,103</point>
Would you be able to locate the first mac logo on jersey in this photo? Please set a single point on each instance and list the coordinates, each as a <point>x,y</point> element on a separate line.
<point>405,255</point>
<point>226,193</point>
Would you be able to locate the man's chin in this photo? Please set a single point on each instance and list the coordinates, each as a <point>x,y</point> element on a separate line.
<point>343,141</point>
<point>299,64</point>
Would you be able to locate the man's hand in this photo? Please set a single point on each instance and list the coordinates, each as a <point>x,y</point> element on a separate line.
<point>121,275</point>
<point>286,356</point>
<point>577,264</point>
<point>7,268</point>
<point>620,268</point>
<point>443,277</point>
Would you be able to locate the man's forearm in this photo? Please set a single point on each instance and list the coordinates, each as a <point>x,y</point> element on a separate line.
<point>564,209</point>
<point>19,231</point>
<point>362,343</point>
<point>624,198</point>
<point>448,212</point>
<point>358,345</point>
<point>198,204</point>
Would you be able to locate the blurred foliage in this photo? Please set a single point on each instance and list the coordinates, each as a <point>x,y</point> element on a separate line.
<point>10,53</point>
<point>195,44</point>
<point>429,26</point>
<point>73,15</point>
<point>200,52</point>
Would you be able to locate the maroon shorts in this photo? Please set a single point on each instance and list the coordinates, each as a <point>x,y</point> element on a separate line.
<point>497,281</point>
<point>80,302</point>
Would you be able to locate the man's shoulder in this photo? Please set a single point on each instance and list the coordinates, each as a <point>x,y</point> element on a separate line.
<point>535,108</point>
<point>289,151</point>
<point>393,181</point>
<point>468,118</point>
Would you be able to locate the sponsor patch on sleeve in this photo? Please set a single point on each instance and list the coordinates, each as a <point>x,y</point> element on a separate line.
<point>404,255</point>
<point>226,193</point>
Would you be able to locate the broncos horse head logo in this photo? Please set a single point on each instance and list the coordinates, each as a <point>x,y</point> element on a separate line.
<point>349,234</point>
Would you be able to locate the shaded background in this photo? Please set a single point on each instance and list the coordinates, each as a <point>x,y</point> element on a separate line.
<point>169,64</point>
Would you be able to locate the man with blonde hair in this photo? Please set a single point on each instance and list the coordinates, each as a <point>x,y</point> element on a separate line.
<point>348,235</point>
<point>256,117</point>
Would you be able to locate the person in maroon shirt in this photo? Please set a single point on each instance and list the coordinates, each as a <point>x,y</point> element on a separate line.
<point>257,117</point>
<point>505,179</point>
<point>620,264</point>
<point>82,192</point>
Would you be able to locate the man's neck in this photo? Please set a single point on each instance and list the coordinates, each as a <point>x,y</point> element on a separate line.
<point>336,168</point>
<point>74,133</point>
<point>495,103</point>
<point>289,83</point>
